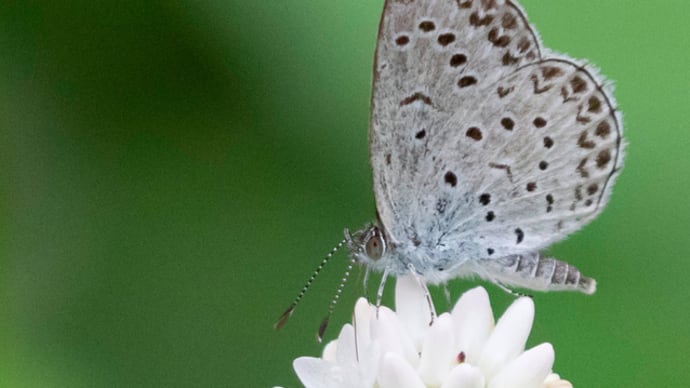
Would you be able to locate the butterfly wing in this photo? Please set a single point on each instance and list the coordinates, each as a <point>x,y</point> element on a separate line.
<point>481,144</point>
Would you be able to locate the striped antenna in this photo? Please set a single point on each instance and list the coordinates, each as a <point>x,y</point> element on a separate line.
<point>286,315</point>
<point>334,301</point>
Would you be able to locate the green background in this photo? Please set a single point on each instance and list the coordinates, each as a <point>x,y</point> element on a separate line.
<point>170,173</point>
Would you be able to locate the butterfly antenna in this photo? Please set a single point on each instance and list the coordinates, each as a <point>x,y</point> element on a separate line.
<point>286,315</point>
<point>334,301</point>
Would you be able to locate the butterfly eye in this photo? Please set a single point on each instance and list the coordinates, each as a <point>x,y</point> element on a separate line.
<point>375,246</point>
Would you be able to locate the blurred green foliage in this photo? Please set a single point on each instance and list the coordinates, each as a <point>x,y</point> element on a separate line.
<point>170,172</point>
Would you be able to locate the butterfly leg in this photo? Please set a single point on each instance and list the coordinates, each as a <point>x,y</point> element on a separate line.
<point>379,293</point>
<point>365,283</point>
<point>506,289</point>
<point>427,295</point>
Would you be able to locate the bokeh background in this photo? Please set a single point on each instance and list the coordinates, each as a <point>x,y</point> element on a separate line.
<point>171,172</point>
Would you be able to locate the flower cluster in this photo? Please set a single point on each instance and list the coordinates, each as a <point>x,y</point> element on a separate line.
<point>460,349</point>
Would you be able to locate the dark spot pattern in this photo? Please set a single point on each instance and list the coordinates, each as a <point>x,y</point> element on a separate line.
<point>466,81</point>
<point>420,135</point>
<point>539,122</point>
<point>458,60</point>
<point>549,201</point>
<point>603,130</point>
<point>592,189</point>
<point>537,88</point>
<point>578,193</point>
<point>566,95</point>
<point>588,202</point>
<point>578,84</point>
<point>508,123</point>
<point>446,39</point>
<point>477,21</point>
<point>490,251</point>
<point>524,45</point>
<point>548,142</point>
<point>580,118</point>
<point>418,96</point>
<point>603,158</point>
<point>508,59</point>
<point>543,165</point>
<point>509,21</point>
<point>427,26</point>
<point>474,133</point>
<point>549,72</point>
<point>498,41</point>
<point>490,216</point>
<point>388,159</point>
<point>531,186</point>
<point>583,142</point>
<point>502,92</point>
<point>402,40</point>
<point>581,168</point>
<point>594,104</point>
<point>451,179</point>
<point>485,199</point>
<point>520,235</point>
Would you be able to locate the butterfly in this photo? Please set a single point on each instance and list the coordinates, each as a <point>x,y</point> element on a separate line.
<point>485,148</point>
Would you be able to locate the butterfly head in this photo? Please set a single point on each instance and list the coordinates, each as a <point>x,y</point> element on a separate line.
<point>368,245</point>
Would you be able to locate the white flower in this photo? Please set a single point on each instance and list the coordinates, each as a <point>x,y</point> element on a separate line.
<point>460,349</point>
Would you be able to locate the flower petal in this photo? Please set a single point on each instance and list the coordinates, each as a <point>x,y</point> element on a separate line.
<point>362,322</point>
<point>554,381</point>
<point>473,321</point>
<point>330,351</point>
<point>317,373</point>
<point>367,350</point>
<point>508,339</point>
<point>346,350</point>
<point>412,308</point>
<point>529,370</point>
<point>390,334</point>
<point>438,351</point>
<point>368,366</point>
<point>395,372</point>
<point>464,376</point>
